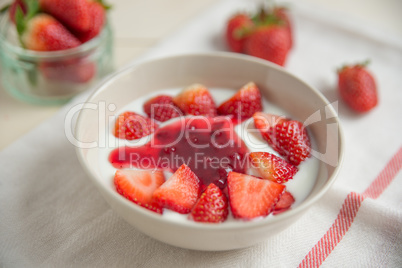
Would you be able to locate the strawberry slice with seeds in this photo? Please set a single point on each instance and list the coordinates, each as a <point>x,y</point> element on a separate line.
<point>264,122</point>
<point>212,206</point>
<point>180,192</point>
<point>138,186</point>
<point>251,197</point>
<point>131,126</point>
<point>196,100</point>
<point>272,167</point>
<point>291,137</point>
<point>288,137</point>
<point>284,202</point>
<point>244,103</point>
<point>161,108</point>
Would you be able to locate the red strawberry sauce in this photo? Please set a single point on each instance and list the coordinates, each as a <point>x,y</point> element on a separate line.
<point>209,146</point>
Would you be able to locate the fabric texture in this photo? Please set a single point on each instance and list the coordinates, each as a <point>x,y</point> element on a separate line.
<point>51,215</point>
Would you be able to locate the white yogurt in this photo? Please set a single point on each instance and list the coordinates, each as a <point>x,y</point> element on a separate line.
<point>300,186</point>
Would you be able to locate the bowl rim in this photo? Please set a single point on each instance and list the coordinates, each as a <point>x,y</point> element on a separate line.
<point>237,225</point>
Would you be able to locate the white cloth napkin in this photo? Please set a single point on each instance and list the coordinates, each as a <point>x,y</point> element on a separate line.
<point>52,216</point>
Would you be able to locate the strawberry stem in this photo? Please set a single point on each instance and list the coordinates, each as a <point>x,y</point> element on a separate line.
<point>362,64</point>
<point>104,5</point>
<point>20,21</point>
<point>32,8</point>
<point>266,16</point>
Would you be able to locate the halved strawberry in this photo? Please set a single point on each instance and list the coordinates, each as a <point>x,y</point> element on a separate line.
<point>288,137</point>
<point>161,108</point>
<point>196,100</point>
<point>271,167</point>
<point>139,185</point>
<point>284,202</point>
<point>180,192</point>
<point>244,103</point>
<point>131,126</point>
<point>212,206</point>
<point>263,122</point>
<point>251,197</point>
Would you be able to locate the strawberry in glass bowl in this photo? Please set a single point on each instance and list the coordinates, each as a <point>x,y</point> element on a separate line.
<point>53,50</point>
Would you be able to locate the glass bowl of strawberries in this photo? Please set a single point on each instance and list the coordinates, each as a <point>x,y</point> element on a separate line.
<point>221,152</point>
<point>52,50</point>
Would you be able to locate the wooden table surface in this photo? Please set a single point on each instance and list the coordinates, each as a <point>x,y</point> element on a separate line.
<point>139,24</point>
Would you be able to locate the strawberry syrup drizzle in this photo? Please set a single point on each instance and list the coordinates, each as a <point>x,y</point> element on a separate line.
<point>209,146</point>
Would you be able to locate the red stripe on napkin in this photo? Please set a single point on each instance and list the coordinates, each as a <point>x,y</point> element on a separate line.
<point>348,212</point>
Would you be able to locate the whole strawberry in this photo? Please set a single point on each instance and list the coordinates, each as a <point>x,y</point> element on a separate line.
<point>236,28</point>
<point>74,14</point>
<point>282,14</point>
<point>357,87</point>
<point>269,42</point>
<point>42,32</point>
<point>97,14</point>
<point>266,34</point>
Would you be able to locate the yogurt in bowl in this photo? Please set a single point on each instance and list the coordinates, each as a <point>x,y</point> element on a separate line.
<point>222,73</point>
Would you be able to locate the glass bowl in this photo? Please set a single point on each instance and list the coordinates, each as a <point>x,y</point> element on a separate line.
<point>51,77</point>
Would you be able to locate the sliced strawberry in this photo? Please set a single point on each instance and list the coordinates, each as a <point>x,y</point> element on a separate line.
<point>161,108</point>
<point>131,126</point>
<point>180,192</point>
<point>271,167</point>
<point>237,28</point>
<point>212,206</point>
<point>196,100</point>
<point>45,33</point>
<point>138,186</point>
<point>291,137</point>
<point>288,137</point>
<point>74,14</point>
<point>244,103</point>
<point>263,122</point>
<point>251,197</point>
<point>284,202</point>
<point>97,14</point>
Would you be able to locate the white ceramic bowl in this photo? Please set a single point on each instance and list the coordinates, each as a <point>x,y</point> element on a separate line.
<point>222,70</point>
